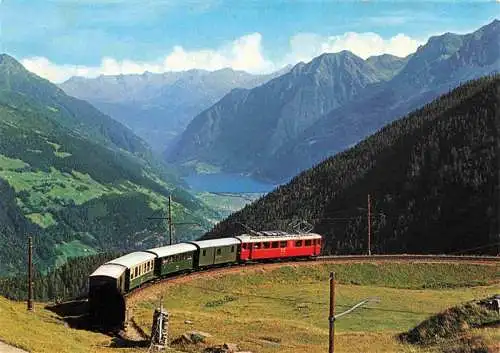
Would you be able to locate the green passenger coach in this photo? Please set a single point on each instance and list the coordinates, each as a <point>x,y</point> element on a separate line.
<point>216,251</point>
<point>140,268</point>
<point>174,258</point>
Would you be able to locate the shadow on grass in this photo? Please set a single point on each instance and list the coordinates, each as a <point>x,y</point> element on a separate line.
<point>76,315</point>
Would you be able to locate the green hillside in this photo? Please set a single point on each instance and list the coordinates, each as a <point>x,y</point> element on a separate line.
<point>433,178</point>
<point>75,179</point>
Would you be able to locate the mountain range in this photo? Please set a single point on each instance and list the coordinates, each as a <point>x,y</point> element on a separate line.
<point>432,177</point>
<point>76,180</point>
<point>294,121</point>
<point>158,107</point>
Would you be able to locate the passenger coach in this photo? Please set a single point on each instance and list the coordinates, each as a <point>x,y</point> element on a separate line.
<point>216,251</point>
<point>174,258</point>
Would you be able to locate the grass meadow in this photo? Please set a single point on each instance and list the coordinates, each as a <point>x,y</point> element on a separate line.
<point>281,309</point>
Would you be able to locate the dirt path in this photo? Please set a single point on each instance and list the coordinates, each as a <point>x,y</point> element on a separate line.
<point>4,348</point>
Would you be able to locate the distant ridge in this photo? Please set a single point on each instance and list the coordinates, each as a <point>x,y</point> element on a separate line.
<point>321,108</point>
<point>157,106</point>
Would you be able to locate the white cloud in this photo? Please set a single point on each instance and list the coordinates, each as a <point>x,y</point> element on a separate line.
<point>305,46</point>
<point>244,53</point>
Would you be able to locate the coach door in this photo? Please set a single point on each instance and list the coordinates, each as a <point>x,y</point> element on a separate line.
<point>283,246</point>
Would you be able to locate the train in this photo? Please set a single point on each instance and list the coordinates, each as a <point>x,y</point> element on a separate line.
<point>110,282</point>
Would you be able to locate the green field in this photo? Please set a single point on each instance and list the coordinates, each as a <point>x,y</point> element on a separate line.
<point>286,309</point>
<point>280,309</point>
<point>226,205</point>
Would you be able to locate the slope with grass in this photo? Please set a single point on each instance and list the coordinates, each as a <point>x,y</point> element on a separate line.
<point>264,309</point>
<point>75,179</point>
<point>43,331</point>
<point>285,307</point>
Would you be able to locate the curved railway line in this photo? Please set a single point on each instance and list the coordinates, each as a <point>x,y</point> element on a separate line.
<point>135,295</point>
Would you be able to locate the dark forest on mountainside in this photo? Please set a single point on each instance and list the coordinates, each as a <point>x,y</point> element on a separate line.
<point>433,177</point>
<point>66,282</point>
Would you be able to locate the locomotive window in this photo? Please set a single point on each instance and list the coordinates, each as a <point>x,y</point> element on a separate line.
<point>298,243</point>
<point>275,244</point>
<point>283,244</point>
<point>308,242</point>
<point>267,245</point>
<point>232,248</point>
<point>204,253</point>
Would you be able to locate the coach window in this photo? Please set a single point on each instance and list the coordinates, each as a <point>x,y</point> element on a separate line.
<point>283,244</point>
<point>204,253</point>
<point>298,243</point>
<point>232,248</point>
<point>136,272</point>
<point>275,244</point>
<point>267,245</point>
<point>218,251</point>
<point>257,246</point>
<point>308,242</point>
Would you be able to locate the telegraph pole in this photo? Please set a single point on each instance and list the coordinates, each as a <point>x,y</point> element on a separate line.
<point>331,318</point>
<point>170,219</point>
<point>369,225</point>
<point>30,275</point>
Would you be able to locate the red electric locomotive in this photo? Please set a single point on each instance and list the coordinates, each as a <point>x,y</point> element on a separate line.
<point>275,245</point>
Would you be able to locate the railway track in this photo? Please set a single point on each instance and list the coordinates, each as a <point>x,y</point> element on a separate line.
<point>132,296</point>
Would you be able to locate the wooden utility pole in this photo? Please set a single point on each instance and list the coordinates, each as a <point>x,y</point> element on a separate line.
<point>369,225</point>
<point>30,275</point>
<point>331,317</point>
<point>170,219</point>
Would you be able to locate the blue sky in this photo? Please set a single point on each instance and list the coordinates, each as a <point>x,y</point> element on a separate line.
<point>60,38</point>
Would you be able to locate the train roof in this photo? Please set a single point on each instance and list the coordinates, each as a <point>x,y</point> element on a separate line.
<point>202,244</point>
<point>173,249</point>
<point>132,259</point>
<point>246,238</point>
<point>109,270</point>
